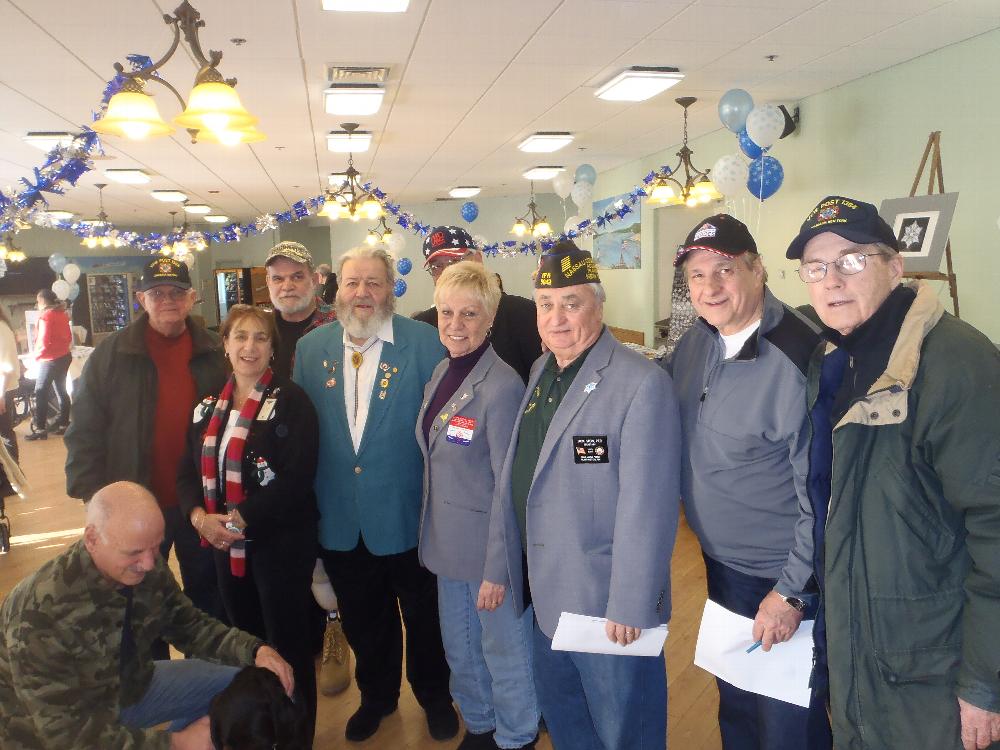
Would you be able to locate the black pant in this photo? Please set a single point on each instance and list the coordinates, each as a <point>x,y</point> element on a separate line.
<point>51,372</point>
<point>197,566</point>
<point>272,601</point>
<point>371,591</point>
<point>10,443</point>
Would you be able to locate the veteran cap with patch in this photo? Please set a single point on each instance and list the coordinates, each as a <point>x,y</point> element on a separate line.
<point>164,270</point>
<point>566,265</point>
<point>721,234</point>
<point>294,251</point>
<point>851,219</point>
<point>447,242</point>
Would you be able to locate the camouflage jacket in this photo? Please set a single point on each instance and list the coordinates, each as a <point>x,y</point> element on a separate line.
<point>61,681</point>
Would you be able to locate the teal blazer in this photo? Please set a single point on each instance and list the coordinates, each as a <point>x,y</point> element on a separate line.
<point>376,492</point>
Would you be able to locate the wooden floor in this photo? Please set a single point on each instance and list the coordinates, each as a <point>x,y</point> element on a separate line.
<point>48,521</point>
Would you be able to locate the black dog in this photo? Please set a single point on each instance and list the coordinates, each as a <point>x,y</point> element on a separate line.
<point>254,713</point>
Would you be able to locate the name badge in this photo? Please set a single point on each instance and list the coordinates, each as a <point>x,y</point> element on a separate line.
<point>460,430</point>
<point>266,411</point>
<point>590,449</point>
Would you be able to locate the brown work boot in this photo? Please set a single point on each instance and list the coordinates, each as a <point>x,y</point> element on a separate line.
<point>335,668</point>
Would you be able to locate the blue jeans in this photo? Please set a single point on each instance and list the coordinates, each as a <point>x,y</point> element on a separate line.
<point>748,721</point>
<point>601,702</point>
<point>489,654</point>
<point>180,693</point>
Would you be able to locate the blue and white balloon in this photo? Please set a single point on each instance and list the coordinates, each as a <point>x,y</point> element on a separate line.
<point>404,266</point>
<point>399,288</point>
<point>748,147</point>
<point>766,176</point>
<point>586,173</point>
<point>470,211</point>
<point>74,292</point>
<point>57,262</point>
<point>729,174</point>
<point>734,106</point>
<point>765,124</point>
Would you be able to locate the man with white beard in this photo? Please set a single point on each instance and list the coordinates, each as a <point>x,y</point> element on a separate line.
<point>366,374</point>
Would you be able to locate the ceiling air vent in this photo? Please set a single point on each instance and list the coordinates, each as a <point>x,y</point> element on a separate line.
<point>357,74</point>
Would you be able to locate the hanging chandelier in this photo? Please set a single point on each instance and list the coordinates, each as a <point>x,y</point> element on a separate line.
<point>350,200</point>
<point>100,231</point>
<point>531,222</point>
<point>670,188</point>
<point>380,233</point>
<point>10,252</point>
<point>213,111</point>
<point>185,241</point>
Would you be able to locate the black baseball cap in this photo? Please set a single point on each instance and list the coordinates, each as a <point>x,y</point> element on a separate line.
<point>566,265</point>
<point>450,242</point>
<point>851,219</point>
<point>163,270</point>
<point>721,234</point>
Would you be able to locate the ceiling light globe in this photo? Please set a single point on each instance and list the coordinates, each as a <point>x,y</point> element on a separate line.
<point>134,115</point>
<point>215,106</point>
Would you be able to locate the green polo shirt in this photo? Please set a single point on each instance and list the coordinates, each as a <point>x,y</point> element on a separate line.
<point>552,386</point>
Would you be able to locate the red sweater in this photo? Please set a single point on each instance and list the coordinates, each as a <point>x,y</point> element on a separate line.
<point>54,338</point>
<point>175,395</point>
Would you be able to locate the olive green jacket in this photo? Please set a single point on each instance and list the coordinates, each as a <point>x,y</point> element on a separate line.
<point>61,682</point>
<point>913,539</point>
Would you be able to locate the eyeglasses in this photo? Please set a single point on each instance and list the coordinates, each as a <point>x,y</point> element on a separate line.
<point>437,267</point>
<point>846,265</point>
<point>174,295</point>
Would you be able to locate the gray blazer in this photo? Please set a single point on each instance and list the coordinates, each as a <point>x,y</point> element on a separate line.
<point>459,479</point>
<point>600,535</point>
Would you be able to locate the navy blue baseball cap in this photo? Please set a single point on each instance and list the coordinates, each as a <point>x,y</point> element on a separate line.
<point>851,219</point>
<point>721,234</point>
<point>449,242</point>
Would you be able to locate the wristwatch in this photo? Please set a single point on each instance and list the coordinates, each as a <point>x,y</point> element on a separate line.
<point>795,603</point>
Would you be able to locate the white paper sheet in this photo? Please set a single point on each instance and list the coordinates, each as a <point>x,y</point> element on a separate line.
<point>781,673</point>
<point>585,633</point>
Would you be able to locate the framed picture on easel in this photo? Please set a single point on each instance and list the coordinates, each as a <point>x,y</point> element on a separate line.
<point>921,224</point>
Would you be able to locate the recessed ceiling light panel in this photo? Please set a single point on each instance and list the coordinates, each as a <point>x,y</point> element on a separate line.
<point>216,218</point>
<point>46,140</point>
<point>197,208</point>
<point>638,83</point>
<point>343,142</point>
<point>60,215</point>
<point>466,191</point>
<point>353,98</point>
<point>169,196</point>
<point>336,179</point>
<point>542,173</point>
<point>369,6</point>
<point>545,142</point>
<point>127,176</point>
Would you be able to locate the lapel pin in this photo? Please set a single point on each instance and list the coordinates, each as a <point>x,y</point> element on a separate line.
<point>331,382</point>
<point>589,387</point>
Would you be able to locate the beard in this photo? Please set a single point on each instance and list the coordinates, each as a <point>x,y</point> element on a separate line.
<point>291,306</point>
<point>364,329</point>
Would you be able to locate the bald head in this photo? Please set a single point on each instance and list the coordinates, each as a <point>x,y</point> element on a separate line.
<point>123,532</point>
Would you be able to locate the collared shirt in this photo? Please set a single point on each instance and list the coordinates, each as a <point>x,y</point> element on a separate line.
<point>360,382</point>
<point>552,387</point>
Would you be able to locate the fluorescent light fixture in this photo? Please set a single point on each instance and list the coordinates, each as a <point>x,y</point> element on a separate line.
<point>467,191</point>
<point>197,208</point>
<point>343,142</point>
<point>216,218</point>
<point>546,142</point>
<point>127,176</point>
<point>169,196</point>
<point>369,6</point>
<point>47,140</point>
<point>638,83</point>
<point>60,215</point>
<point>337,179</point>
<point>542,173</point>
<point>353,98</point>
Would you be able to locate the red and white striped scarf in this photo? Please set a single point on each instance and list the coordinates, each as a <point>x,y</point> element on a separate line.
<point>233,463</point>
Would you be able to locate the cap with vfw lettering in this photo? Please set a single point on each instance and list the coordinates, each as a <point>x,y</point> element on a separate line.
<point>566,265</point>
<point>854,220</point>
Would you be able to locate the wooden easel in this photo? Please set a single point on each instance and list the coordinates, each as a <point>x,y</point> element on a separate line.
<point>935,179</point>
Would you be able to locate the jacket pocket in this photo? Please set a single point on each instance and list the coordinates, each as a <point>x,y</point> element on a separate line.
<point>918,639</point>
<point>467,504</point>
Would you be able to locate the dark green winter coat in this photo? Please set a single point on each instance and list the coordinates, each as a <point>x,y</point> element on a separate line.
<point>913,539</point>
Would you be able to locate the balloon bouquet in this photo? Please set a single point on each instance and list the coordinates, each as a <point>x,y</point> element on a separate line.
<point>757,129</point>
<point>67,287</point>
<point>580,189</point>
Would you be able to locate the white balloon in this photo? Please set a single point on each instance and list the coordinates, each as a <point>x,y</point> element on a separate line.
<point>573,222</point>
<point>61,288</point>
<point>395,242</point>
<point>729,174</point>
<point>582,193</point>
<point>562,184</point>
<point>188,260</point>
<point>71,272</point>
<point>765,124</point>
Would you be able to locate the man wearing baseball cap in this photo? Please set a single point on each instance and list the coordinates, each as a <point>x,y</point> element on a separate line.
<point>514,334</point>
<point>905,482</point>
<point>739,375</point>
<point>132,408</point>
<point>292,284</point>
<point>586,519</point>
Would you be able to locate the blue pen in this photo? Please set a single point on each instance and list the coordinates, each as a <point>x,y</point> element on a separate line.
<point>758,643</point>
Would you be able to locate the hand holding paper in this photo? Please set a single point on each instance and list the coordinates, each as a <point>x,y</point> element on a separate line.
<point>589,635</point>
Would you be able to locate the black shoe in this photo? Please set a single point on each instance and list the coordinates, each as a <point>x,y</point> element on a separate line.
<point>59,429</point>
<point>365,721</point>
<point>442,721</point>
<point>4,535</point>
<point>472,741</point>
<point>39,435</point>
